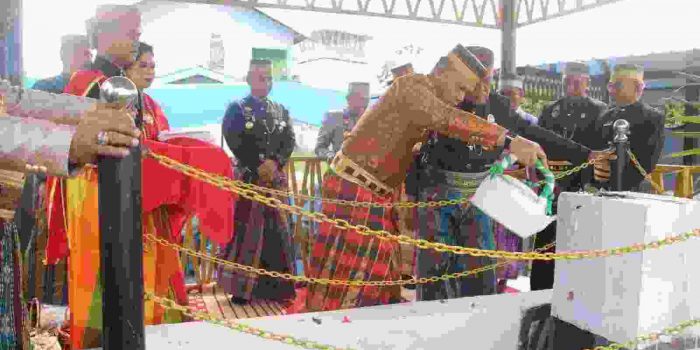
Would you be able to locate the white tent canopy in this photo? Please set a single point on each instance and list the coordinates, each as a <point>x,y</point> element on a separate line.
<point>628,27</point>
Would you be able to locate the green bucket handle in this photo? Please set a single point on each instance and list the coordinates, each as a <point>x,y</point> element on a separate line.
<point>547,192</point>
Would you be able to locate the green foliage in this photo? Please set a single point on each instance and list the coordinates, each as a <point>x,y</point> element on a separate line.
<point>675,117</point>
<point>535,102</point>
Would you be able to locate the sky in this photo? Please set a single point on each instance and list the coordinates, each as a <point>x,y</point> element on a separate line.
<point>629,27</point>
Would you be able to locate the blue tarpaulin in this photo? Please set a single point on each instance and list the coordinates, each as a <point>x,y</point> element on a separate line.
<point>195,105</point>
<point>200,104</point>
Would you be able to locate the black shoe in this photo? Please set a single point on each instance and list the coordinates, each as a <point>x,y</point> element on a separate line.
<point>239,301</point>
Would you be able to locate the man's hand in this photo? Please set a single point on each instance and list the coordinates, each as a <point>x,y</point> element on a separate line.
<point>416,148</point>
<point>267,171</point>
<point>527,152</point>
<point>601,164</point>
<point>119,130</point>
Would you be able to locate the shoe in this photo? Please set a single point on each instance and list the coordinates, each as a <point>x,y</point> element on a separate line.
<point>239,301</point>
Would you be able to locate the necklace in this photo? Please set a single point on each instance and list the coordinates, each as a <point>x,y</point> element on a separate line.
<point>268,108</point>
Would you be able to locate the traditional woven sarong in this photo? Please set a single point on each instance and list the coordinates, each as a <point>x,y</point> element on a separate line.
<point>465,226</point>
<point>74,224</point>
<point>348,255</point>
<point>11,309</point>
<point>508,241</point>
<point>262,239</point>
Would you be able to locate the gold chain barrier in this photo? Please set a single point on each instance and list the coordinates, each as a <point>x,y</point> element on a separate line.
<point>675,330</point>
<point>324,281</point>
<point>228,185</point>
<point>248,191</point>
<point>643,172</point>
<point>202,316</point>
<point>433,204</point>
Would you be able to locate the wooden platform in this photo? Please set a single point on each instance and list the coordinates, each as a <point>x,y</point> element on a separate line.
<point>215,301</point>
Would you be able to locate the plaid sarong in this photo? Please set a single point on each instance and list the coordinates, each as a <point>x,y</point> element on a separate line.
<point>262,239</point>
<point>348,255</point>
<point>11,310</point>
<point>465,226</point>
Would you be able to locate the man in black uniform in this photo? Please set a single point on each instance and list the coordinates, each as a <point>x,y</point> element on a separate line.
<point>646,126</point>
<point>259,133</point>
<point>573,117</point>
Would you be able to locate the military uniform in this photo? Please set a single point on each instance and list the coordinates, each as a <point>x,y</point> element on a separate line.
<point>574,118</point>
<point>646,140</point>
<point>256,130</point>
<point>330,137</point>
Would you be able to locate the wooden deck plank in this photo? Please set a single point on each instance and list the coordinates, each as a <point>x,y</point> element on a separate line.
<point>224,303</point>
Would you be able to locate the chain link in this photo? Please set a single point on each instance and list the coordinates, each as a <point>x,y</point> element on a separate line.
<point>643,172</point>
<point>240,327</point>
<point>471,189</point>
<point>356,204</point>
<point>324,281</point>
<point>563,174</point>
<point>318,217</point>
<point>675,330</point>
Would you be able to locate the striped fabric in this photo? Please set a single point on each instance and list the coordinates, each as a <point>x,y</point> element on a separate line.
<point>345,254</point>
<point>262,239</point>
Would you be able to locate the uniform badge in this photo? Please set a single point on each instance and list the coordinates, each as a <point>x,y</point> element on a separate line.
<point>249,125</point>
<point>555,111</point>
<point>491,118</point>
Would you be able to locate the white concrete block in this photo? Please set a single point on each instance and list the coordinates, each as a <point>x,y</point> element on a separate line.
<point>622,297</point>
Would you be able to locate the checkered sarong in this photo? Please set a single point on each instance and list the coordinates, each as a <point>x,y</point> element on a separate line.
<point>347,255</point>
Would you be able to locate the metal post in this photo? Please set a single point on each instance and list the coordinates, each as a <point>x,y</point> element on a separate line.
<point>621,142</point>
<point>121,240</point>
<point>508,28</point>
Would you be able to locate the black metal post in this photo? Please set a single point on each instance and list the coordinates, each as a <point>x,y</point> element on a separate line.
<point>621,142</point>
<point>121,251</point>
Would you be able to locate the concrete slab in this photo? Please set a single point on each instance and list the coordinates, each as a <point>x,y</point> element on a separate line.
<point>486,322</point>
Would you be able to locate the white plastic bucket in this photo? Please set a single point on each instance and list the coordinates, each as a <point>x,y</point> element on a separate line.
<point>512,203</point>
